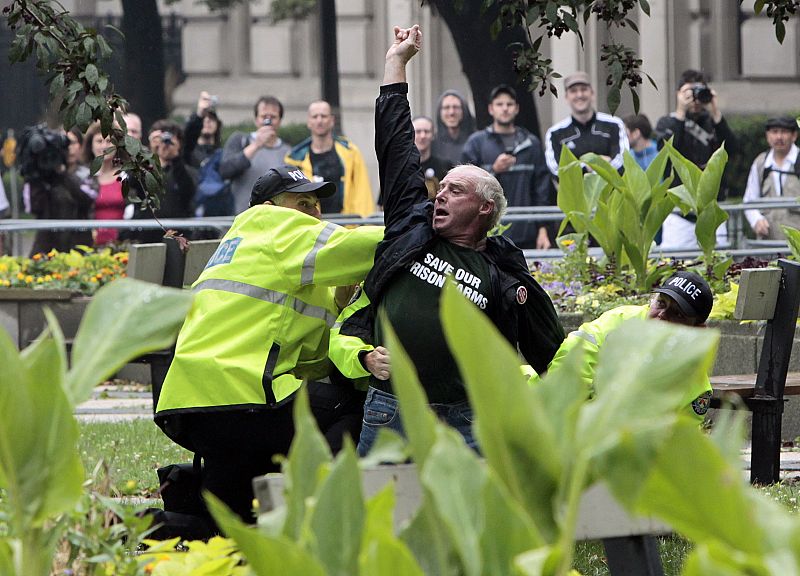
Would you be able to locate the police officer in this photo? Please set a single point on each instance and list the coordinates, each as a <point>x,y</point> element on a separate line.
<point>258,329</point>
<point>685,298</point>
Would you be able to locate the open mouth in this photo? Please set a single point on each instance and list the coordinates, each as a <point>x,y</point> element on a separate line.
<point>439,212</point>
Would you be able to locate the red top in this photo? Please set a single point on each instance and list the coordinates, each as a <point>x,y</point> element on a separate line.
<point>109,206</point>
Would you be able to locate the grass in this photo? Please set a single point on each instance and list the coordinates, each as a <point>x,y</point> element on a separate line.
<point>130,451</point>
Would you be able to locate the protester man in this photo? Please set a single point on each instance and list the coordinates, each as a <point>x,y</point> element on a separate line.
<point>333,158</point>
<point>433,167</point>
<point>697,129</point>
<point>684,298</point>
<point>425,244</point>
<point>585,130</point>
<point>515,157</point>
<point>246,157</point>
<point>775,174</point>
<point>258,330</point>
<point>454,124</point>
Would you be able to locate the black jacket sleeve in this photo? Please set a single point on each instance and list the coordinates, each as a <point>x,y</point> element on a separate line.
<point>191,132</point>
<point>401,180</point>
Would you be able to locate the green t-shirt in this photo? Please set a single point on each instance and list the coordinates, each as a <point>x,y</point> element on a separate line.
<point>411,304</point>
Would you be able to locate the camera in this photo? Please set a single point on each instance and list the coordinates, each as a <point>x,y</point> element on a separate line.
<point>42,152</point>
<point>167,138</point>
<point>267,122</point>
<point>702,93</point>
<point>214,101</point>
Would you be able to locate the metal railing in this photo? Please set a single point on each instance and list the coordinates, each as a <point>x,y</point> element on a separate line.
<point>739,244</point>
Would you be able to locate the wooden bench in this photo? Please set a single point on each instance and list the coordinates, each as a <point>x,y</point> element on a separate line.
<point>630,542</point>
<point>165,264</point>
<point>766,294</point>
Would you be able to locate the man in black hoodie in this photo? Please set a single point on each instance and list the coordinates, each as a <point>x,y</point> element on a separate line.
<point>454,124</point>
<point>425,243</point>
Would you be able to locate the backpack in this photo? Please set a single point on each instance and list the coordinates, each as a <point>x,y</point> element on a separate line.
<point>213,195</point>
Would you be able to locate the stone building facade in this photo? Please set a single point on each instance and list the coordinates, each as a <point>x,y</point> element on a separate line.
<point>241,55</point>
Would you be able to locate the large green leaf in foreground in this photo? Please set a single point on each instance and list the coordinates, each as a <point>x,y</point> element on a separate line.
<point>126,319</point>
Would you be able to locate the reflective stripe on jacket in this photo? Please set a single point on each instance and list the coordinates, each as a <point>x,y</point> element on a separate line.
<point>263,309</point>
<point>345,350</point>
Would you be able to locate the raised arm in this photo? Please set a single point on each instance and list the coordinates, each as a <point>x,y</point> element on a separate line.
<point>402,182</point>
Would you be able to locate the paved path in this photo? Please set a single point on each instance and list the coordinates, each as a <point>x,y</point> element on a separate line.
<point>114,402</point>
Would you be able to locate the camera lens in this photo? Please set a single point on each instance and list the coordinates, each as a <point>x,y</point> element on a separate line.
<point>267,122</point>
<point>702,93</point>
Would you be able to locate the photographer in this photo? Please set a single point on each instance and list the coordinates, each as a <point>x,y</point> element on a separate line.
<point>698,129</point>
<point>54,193</point>
<point>247,157</point>
<point>203,131</point>
<point>166,139</point>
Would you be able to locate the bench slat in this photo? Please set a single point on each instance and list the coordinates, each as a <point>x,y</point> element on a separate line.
<point>743,385</point>
<point>599,517</point>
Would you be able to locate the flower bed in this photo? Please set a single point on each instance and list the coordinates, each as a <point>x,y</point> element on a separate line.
<point>75,271</point>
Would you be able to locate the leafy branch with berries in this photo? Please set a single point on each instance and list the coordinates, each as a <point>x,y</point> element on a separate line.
<point>70,56</point>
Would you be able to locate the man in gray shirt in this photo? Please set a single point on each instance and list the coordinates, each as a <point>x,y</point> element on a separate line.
<point>247,157</point>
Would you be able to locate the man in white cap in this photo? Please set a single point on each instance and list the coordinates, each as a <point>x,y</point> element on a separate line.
<point>585,130</point>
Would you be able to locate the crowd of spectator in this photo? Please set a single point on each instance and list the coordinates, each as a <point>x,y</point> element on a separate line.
<point>206,177</point>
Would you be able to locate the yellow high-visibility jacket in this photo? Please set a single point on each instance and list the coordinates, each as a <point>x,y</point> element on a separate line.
<point>355,183</point>
<point>592,335</point>
<point>263,308</point>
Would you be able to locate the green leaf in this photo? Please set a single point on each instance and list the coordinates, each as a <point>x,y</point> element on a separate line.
<point>266,555</point>
<point>97,162</point>
<point>337,519</point>
<point>689,469</point>
<point>507,530</point>
<point>57,85</point>
<point>507,416</point>
<point>91,74</point>
<point>83,116</point>
<point>454,478</point>
<point>604,168</point>
<point>132,145</point>
<point>645,6</point>
<point>683,199</point>
<point>613,99</point>
<point>307,454</point>
<point>793,238</point>
<point>687,171</point>
<point>708,220</point>
<point>111,334</point>
<point>711,178</point>
<point>39,467</point>
<point>419,422</point>
<point>428,540</point>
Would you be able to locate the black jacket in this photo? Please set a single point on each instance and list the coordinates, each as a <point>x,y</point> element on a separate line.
<point>532,326</point>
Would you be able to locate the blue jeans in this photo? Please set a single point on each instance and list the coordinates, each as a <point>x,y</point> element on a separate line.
<point>381,411</point>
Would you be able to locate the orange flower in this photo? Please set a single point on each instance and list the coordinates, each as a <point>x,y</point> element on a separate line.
<point>37,257</point>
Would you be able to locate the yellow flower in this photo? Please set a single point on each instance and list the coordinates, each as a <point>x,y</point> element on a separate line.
<point>48,278</point>
<point>93,279</point>
<point>39,280</point>
<point>567,242</point>
<point>28,279</point>
<point>37,257</point>
<point>20,276</point>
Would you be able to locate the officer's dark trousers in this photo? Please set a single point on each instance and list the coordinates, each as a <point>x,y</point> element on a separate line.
<point>236,446</point>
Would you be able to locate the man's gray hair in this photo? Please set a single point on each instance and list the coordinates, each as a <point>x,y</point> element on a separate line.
<point>488,188</point>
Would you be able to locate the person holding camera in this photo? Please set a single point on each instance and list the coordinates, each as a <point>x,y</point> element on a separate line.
<point>246,157</point>
<point>697,129</point>
<point>202,131</point>
<point>515,157</point>
<point>54,193</point>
